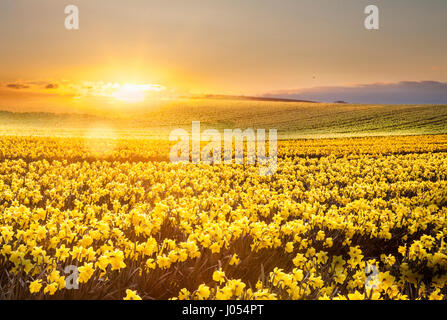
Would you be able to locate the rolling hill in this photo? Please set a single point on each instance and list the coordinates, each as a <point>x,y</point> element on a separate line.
<point>291,119</point>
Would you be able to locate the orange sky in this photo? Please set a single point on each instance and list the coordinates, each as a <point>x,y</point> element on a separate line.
<point>226,47</point>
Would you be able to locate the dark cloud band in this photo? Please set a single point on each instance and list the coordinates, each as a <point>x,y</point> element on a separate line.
<point>406,92</point>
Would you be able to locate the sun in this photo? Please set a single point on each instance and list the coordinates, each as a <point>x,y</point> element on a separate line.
<point>134,93</point>
<point>130,93</point>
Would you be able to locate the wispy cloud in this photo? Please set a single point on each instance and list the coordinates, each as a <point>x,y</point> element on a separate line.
<point>52,86</point>
<point>405,92</point>
<point>17,86</point>
<point>33,85</point>
<point>105,91</point>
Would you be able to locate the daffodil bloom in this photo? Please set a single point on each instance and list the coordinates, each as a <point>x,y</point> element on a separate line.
<point>234,260</point>
<point>356,296</point>
<point>203,292</point>
<point>150,263</point>
<point>184,294</point>
<point>85,272</point>
<point>219,276</point>
<point>116,260</point>
<point>289,247</point>
<point>35,286</point>
<point>50,288</point>
<point>131,295</point>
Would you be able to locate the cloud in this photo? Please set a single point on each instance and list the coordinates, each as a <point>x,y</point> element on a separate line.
<point>17,86</point>
<point>405,92</point>
<point>52,86</point>
<point>32,84</point>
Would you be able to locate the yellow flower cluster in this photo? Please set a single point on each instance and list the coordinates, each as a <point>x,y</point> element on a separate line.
<point>340,219</point>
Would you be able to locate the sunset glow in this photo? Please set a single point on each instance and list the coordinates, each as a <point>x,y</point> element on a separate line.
<point>136,54</point>
<point>133,93</point>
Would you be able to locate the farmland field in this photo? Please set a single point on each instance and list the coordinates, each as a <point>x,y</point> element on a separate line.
<point>359,215</point>
<point>291,119</point>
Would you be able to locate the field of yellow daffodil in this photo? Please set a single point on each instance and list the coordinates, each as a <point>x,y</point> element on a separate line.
<point>136,226</point>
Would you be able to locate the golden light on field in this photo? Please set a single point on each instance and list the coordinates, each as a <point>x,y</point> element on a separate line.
<point>100,140</point>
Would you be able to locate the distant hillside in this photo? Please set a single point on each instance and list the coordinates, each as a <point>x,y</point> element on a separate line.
<point>291,119</point>
<point>46,118</point>
<point>229,97</point>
